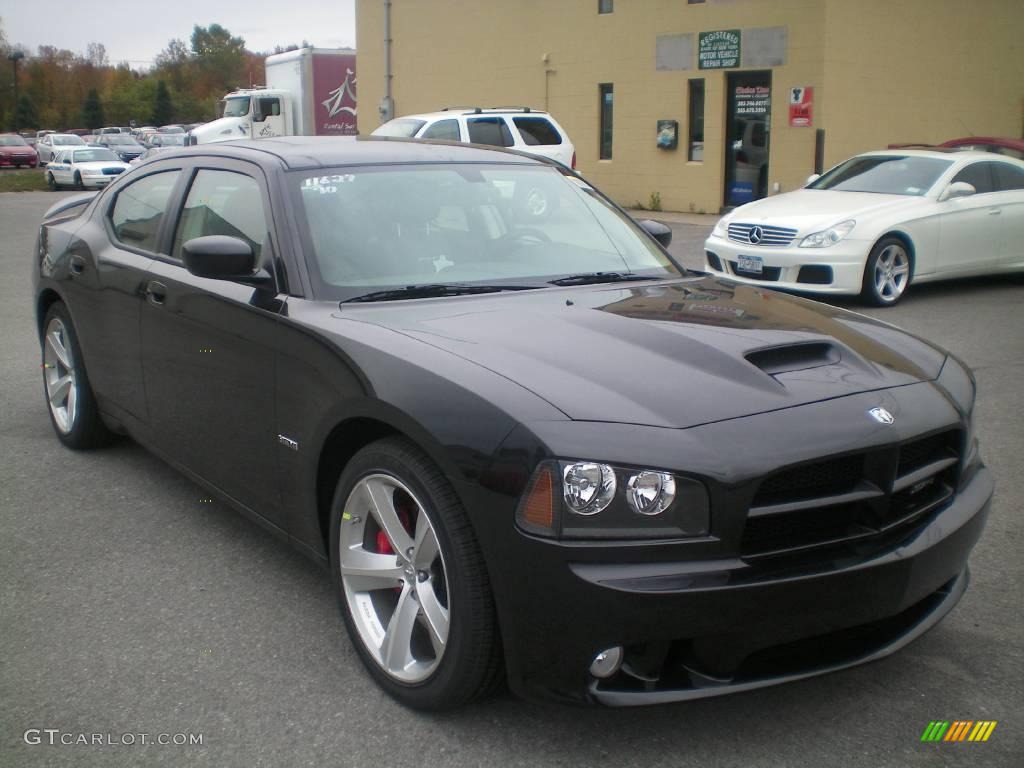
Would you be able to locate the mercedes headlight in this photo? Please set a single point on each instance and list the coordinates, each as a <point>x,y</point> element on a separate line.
<point>720,227</point>
<point>589,499</point>
<point>829,236</point>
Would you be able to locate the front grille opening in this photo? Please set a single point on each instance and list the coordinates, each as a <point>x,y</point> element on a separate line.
<point>768,274</point>
<point>921,453</point>
<point>806,528</point>
<point>822,478</point>
<point>815,274</point>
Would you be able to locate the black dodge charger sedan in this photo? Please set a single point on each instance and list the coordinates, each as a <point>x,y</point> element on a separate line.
<point>533,450</point>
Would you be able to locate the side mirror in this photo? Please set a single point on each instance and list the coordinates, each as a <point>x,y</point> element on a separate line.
<point>813,177</point>
<point>658,231</point>
<point>219,257</point>
<point>957,189</point>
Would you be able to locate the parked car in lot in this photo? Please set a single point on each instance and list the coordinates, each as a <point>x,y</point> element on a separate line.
<point>175,128</point>
<point>15,152</point>
<point>122,145</point>
<point>51,143</point>
<point>148,153</point>
<point>878,222</point>
<point>542,450</point>
<point>165,140</point>
<point>89,167</point>
<point>522,128</point>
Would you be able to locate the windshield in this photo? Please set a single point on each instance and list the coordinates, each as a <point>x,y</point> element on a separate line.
<point>12,141</point>
<point>121,139</point>
<point>168,140</point>
<point>403,127</point>
<point>93,155</point>
<point>394,226</point>
<point>236,107</point>
<point>884,174</point>
<point>66,140</point>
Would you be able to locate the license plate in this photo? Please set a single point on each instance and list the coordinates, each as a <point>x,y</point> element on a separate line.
<point>751,264</point>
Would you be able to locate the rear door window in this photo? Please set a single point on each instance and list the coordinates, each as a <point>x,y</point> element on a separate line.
<point>537,131</point>
<point>978,175</point>
<point>1008,177</point>
<point>447,130</point>
<point>139,209</point>
<point>489,130</point>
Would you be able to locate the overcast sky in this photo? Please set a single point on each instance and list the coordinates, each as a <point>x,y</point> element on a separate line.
<point>137,30</point>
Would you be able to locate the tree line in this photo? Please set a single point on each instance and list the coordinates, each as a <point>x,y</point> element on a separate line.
<point>60,89</point>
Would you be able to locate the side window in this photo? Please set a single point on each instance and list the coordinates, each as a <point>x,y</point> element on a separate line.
<point>443,129</point>
<point>537,130</point>
<point>268,106</point>
<point>490,130</point>
<point>1008,177</point>
<point>140,207</point>
<point>222,203</point>
<point>978,175</point>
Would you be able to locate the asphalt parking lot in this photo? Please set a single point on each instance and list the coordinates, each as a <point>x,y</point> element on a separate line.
<point>130,606</point>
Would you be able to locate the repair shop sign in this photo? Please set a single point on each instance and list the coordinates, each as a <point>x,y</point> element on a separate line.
<point>719,49</point>
<point>801,106</point>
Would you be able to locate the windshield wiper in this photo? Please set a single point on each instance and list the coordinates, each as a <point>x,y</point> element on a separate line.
<point>585,278</point>
<point>431,290</point>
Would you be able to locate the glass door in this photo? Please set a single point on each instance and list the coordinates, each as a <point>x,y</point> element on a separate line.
<point>748,121</point>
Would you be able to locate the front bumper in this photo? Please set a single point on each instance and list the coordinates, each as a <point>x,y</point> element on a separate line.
<point>96,182</point>
<point>699,629</point>
<point>846,259</point>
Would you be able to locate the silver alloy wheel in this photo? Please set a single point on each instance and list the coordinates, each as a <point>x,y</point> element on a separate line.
<point>398,601</point>
<point>60,375</point>
<point>892,271</point>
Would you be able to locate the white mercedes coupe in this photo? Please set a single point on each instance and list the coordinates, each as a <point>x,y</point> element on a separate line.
<point>878,222</point>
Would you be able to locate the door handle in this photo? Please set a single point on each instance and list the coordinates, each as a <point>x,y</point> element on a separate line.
<point>156,292</point>
<point>77,265</point>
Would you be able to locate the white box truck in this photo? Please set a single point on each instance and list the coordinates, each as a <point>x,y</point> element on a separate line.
<point>309,92</point>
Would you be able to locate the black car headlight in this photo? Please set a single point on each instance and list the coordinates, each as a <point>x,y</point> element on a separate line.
<point>579,499</point>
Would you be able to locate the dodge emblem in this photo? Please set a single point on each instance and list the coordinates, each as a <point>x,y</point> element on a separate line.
<point>882,416</point>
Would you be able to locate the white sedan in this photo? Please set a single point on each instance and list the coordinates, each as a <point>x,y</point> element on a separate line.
<point>876,223</point>
<point>48,145</point>
<point>84,168</point>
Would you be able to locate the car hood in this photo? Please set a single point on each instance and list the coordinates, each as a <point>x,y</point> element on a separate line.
<point>222,129</point>
<point>674,354</point>
<point>808,210</point>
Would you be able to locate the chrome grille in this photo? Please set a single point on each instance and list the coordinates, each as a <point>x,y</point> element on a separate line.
<point>764,234</point>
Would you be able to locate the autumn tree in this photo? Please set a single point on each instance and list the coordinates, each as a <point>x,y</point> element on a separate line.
<point>25,116</point>
<point>219,60</point>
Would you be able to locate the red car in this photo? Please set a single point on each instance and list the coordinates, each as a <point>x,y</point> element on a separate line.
<point>16,152</point>
<point>1009,147</point>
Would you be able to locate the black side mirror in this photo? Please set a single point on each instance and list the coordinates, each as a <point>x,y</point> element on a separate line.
<point>658,231</point>
<point>219,257</point>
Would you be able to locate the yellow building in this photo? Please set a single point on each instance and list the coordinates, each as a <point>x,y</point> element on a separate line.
<point>863,74</point>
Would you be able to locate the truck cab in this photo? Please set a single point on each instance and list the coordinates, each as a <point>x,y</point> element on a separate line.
<point>249,113</point>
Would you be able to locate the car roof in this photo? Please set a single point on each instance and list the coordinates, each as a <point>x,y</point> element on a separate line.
<point>306,152</point>
<point>939,153</point>
<point>472,111</point>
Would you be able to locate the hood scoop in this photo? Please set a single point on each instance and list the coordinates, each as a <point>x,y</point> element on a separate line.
<point>794,357</point>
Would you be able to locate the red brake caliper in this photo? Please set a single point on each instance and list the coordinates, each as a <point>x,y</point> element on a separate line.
<point>384,546</point>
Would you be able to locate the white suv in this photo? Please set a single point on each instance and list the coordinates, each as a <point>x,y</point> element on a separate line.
<point>514,127</point>
<point>521,128</point>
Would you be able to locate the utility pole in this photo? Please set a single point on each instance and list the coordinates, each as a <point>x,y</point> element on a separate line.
<point>14,57</point>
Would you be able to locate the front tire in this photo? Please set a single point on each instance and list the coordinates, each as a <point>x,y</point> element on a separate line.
<point>887,273</point>
<point>411,581</point>
<point>71,403</point>
<point>51,182</point>
<point>78,181</point>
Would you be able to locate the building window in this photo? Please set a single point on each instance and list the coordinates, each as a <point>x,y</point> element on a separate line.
<point>607,97</point>
<point>695,142</point>
<point>605,6</point>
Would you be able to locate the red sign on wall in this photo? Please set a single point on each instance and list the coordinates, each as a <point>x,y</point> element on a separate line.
<point>801,106</point>
<point>334,94</point>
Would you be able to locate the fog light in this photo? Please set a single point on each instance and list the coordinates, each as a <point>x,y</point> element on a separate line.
<point>607,662</point>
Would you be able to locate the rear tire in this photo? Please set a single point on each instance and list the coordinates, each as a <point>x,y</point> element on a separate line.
<point>413,589</point>
<point>70,401</point>
<point>78,181</point>
<point>887,273</point>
